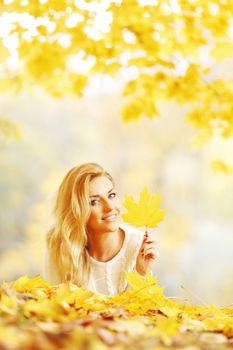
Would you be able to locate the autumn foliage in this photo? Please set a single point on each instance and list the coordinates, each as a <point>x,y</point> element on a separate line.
<point>36,315</point>
<point>162,50</point>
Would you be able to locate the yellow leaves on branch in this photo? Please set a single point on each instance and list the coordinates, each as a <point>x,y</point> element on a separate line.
<point>145,213</point>
<point>138,107</point>
<point>162,43</point>
<point>211,115</point>
<point>146,286</point>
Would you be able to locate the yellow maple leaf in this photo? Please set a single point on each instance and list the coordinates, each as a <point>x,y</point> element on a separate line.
<point>71,294</point>
<point>146,287</point>
<point>146,212</point>
<point>25,284</point>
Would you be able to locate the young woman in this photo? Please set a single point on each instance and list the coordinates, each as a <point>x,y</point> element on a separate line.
<point>88,245</point>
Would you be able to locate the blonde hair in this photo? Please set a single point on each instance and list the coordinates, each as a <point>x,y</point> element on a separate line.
<point>68,258</point>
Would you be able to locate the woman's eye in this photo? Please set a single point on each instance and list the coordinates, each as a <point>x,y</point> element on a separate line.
<point>112,195</point>
<point>94,202</point>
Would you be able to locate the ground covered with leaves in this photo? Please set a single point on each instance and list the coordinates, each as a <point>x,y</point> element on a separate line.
<point>37,316</point>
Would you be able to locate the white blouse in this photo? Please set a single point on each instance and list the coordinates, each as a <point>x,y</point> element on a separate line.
<point>109,277</point>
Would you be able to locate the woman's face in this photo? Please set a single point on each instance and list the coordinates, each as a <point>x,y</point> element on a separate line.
<point>104,206</point>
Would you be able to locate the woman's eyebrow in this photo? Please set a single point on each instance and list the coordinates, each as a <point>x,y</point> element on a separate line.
<point>97,195</point>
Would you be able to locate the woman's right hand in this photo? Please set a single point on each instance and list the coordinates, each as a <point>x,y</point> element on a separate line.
<point>147,255</point>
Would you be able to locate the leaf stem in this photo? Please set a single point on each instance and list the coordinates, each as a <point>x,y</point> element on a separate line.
<point>194,296</point>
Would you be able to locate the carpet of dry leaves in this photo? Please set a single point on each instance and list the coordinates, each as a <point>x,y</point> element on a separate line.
<point>36,316</point>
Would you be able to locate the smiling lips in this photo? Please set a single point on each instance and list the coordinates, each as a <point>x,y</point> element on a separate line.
<point>111,217</point>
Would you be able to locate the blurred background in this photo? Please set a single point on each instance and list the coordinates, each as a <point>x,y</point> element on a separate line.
<point>195,240</point>
<point>44,137</point>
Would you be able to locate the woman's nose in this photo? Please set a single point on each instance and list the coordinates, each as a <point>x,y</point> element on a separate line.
<point>108,204</point>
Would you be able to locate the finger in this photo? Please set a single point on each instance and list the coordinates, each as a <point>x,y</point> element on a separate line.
<point>150,242</point>
<point>143,241</point>
<point>150,251</point>
<point>150,255</point>
<point>149,245</point>
<point>149,238</point>
<point>152,246</point>
<point>144,251</point>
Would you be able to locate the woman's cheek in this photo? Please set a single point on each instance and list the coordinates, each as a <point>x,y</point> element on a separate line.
<point>120,206</point>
